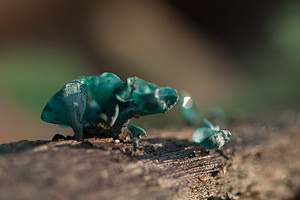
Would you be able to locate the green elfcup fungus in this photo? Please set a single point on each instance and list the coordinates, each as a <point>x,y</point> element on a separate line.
<point>107,102</point>
<point>102,102</point>
<point>139,98</point>
<point>67,107</point>
<point>136,133</point>
<point>210,136</point>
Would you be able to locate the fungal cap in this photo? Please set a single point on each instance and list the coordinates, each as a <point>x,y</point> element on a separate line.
<point>67,104</point>
<point>137,132</point>
<point>216,140</point>
<point>210,136</point>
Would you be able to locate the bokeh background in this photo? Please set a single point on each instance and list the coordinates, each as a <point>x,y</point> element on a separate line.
<point>241,57</point>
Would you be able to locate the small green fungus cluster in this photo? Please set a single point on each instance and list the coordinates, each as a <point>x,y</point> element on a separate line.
<point>107,101</point>
<point>108,104</point>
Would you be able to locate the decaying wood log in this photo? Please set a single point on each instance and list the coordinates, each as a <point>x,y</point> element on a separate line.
<point>260,162</point>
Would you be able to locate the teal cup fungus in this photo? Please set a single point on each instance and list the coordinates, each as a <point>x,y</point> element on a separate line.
<point>210,136</point>
<point>108,101</point>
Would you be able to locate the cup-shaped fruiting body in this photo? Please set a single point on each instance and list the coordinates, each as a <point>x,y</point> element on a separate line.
<point>108,101</point>
<point>216,140</point>
<point>210,137</point>
<point>67,107</point>
<point>189,110</point>
<point>136,134</point>
<point>147,97</point>
<point>138,98</point>
<point>102,102</point>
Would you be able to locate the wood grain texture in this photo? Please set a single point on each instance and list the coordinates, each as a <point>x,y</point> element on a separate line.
<point>260,162</point>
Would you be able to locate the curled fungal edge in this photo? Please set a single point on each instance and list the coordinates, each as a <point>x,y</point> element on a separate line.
<point>210,136</point>
<point>67,107</point>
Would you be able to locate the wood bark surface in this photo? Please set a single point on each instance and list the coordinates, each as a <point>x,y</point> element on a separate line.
<point>260,162</point>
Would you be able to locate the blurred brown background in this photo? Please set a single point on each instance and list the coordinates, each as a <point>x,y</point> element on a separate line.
<point>240,56</point>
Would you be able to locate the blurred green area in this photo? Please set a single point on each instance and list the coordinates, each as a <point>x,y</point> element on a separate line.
<point>29,79</point>
<point>156,41</point>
